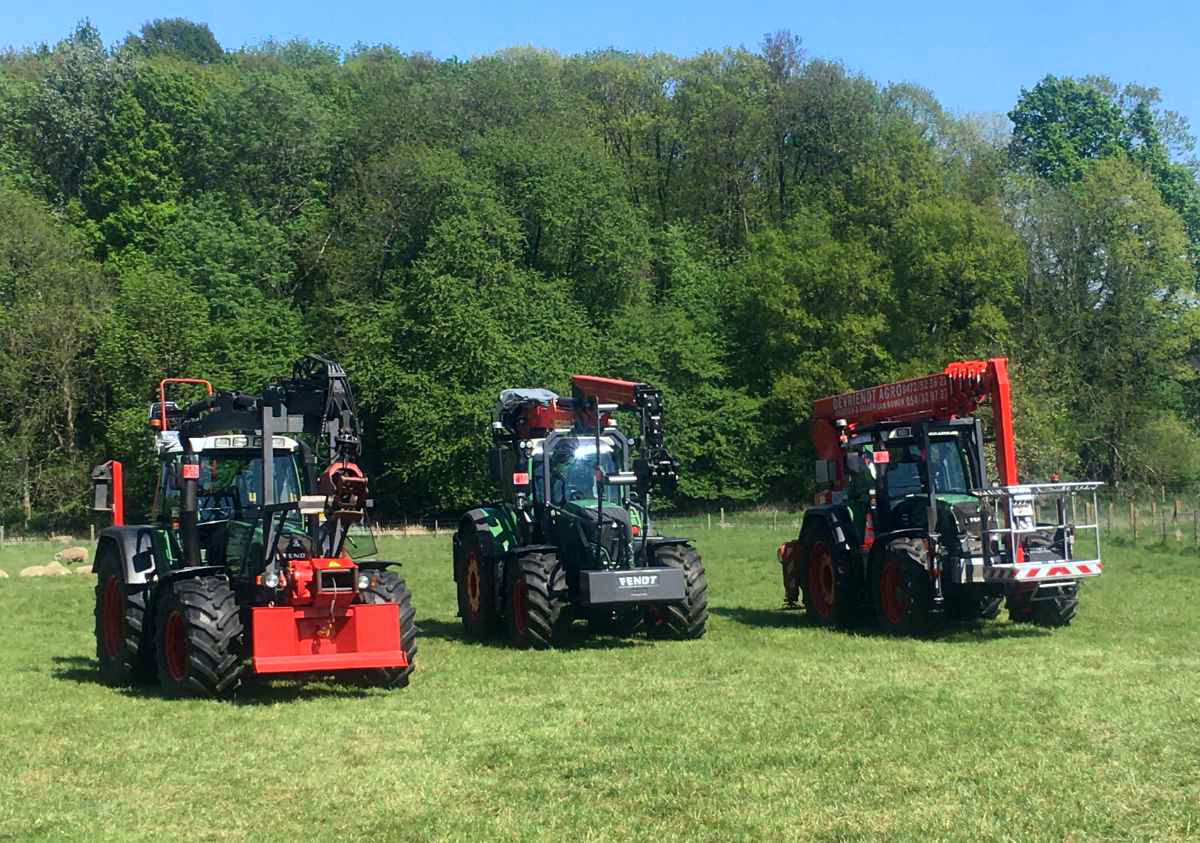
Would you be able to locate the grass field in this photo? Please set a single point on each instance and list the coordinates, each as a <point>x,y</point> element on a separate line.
<point>766,729</point>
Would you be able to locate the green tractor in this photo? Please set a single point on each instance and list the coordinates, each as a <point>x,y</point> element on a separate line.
<point>570,536</point>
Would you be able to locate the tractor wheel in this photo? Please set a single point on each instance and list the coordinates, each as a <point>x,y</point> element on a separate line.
<point>124,640</point>
<point>689,617</point>
<point>901,594</point>
<point>476,584</point>
<point>534,616</point>
<point>969,605</point>
<point>390,587</point>
<point>828,597</point>
<point>1058,610</point>
<point>199,634</point>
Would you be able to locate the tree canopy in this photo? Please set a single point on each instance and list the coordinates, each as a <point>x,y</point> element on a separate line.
<point>748,229</point>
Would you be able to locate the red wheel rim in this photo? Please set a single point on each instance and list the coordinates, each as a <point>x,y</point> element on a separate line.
<point>518,607</point>
<point>472,584</point>
<point>821,579</point>
<point>893,592</point>
<point>112,609</point>
<point>175,646</point>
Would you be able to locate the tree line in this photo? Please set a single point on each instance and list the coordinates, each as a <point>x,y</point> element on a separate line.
<point>748,229</point>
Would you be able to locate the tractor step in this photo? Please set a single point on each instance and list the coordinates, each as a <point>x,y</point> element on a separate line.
<point>639,585</point>
<point>306,640</point>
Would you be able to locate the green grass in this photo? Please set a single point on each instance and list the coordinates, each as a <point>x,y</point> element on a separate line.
<point>766,729</point>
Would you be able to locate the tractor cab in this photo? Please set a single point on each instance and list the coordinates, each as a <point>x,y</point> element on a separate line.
<point>906,468</point>
<point>582,483</point>
<point>229,511</point>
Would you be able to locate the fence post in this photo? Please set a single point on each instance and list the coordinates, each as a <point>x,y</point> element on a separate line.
<point>1,534</point>
<point>1164,524</point>
<point>1110,509</point>
<point>1133,518</point>
<point>435,527</point>
<point>92,533</point>
<point>775,519</point>
<point>404,527</point>
<point>709,520</point>
<point>1175,515</point>
<point>722,518</point>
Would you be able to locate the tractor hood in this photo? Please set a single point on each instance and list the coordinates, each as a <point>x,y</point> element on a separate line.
<point>587,509</point>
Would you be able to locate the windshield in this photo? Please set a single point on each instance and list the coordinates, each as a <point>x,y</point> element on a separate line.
<point>230,481</point>
<point>573,466</point>
<point>947,469</point>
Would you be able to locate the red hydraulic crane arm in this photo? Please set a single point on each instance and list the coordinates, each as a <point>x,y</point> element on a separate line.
<point>957,391</point>
<point>606,390</point>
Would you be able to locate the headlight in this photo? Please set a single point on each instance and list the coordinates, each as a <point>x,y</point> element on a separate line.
<point>364,582</point>
<point>271,581</point>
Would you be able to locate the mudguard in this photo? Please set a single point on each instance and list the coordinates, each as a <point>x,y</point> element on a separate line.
<point>497,529</point>
<point>135,546</point>
<point>840,522</point>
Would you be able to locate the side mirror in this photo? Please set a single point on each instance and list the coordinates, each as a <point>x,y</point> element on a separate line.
<point>496,466</point>
<point>101,479</point>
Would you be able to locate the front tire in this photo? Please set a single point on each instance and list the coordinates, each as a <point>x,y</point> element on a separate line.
<point>200,640</point>
<point>687,618</point>
<point>390,587</point>
<point>901,594</point>
<point>534,614</point>
<point>124,638</point>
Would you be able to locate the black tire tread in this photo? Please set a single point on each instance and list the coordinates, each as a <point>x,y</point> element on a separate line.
<point>390,587</point>
<point>919,620</point>
<point>489,621</point>
<point>1057,611</point>
<point>136,662</point>
<point>844,596</point>
<point>688,618</point>
<point>213,632</point>
<point>542,575</point>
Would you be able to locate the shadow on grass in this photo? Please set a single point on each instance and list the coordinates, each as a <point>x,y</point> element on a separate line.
<point>255,691</point>
<point>950,632</point>
<point>574,637</point>
<point>765,618</point>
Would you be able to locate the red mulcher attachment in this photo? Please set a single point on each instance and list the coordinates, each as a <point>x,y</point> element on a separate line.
<point>323,629</point>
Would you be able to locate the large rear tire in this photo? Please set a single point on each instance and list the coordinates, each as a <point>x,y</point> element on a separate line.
<point>200,640</point>
<point>390,587</point>
<point>124,639</point>
<point>476,584</point>
<point>687,618</point>
<point>901,594</point>
<point>828,595</point>
<point>535,615</point>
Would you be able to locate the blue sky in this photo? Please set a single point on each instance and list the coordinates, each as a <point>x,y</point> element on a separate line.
<point>973,60</point>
